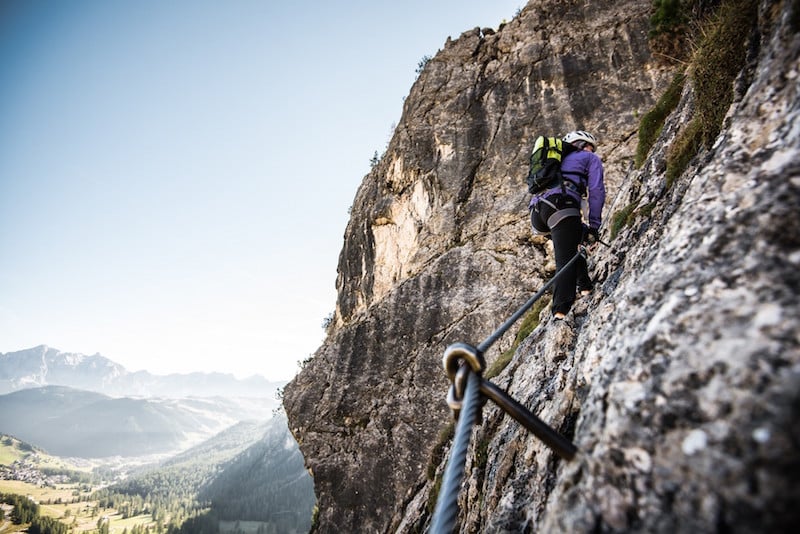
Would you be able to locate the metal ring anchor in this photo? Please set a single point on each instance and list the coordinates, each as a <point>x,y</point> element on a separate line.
<point>462,351</point>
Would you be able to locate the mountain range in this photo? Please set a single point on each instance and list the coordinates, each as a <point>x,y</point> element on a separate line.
<point>47,366</point>
<point>85,424</point>
<point>91,407</point>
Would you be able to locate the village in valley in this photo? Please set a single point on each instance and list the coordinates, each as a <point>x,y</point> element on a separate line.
<point>60,488</point>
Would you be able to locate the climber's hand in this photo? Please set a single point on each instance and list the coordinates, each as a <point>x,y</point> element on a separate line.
<point>590,235</point>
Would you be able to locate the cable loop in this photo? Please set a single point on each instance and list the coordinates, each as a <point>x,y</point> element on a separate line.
<point>455,395</point>
<point>460,383</point>
<point>454,402</point>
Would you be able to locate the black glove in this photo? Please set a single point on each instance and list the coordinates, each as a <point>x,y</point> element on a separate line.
<point>590,235</point>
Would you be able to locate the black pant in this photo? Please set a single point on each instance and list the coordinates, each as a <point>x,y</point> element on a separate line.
<point>567,234</point>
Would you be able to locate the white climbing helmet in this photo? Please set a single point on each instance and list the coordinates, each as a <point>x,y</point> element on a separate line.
<point>580,135</point>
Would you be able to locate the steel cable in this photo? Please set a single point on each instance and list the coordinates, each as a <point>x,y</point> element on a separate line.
<point>464,365</point>
<point>483,347</point>
<point>446,512</point>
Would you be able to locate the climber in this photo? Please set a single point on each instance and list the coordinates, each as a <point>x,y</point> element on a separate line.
<point>557,212</point>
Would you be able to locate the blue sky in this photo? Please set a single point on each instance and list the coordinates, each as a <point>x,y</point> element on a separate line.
<point>175,176</point>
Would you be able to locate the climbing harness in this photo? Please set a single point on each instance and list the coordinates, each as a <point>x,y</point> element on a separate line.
<point>558,214</point>
<point>464,365</point>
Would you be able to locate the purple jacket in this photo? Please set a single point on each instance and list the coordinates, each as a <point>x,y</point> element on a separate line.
<point>590,166</point>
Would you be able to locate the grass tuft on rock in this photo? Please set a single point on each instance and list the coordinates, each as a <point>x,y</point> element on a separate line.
<point>529,323</point>
<point>717,61</point>
<point>652,122</point>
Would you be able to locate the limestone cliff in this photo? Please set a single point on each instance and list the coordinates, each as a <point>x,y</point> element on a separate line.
<point>677,379</point>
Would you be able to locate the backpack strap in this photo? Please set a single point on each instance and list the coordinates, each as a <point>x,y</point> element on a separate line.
<point>579,187</point>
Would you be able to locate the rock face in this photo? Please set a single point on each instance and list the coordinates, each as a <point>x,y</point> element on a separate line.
<point>677,378</point>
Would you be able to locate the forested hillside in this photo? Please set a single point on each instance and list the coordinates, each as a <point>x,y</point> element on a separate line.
<point>241,491</point>
<point>231,477</point>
